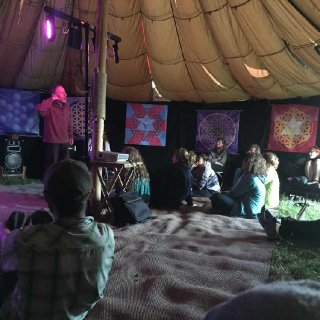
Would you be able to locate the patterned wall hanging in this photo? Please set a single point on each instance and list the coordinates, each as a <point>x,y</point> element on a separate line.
<point>77,106</point>
<point>17,112</point>
<point>293,128</point>
<point>214,124</point>
<point>146,124</point>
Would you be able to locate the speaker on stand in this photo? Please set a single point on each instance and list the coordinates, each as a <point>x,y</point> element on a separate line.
<point>13,157</point>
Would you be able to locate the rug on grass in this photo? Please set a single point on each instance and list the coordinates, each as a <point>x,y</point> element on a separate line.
<point>26,197</point>
<point>176,266</point>
<point>180,264</point>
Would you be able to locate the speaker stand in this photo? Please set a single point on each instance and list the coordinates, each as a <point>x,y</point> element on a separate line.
<point>21,175</point>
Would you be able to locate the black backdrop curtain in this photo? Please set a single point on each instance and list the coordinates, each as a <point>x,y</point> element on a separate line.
<point>182,126</point>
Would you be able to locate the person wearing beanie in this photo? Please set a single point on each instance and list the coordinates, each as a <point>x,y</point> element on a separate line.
<point>57,270</point>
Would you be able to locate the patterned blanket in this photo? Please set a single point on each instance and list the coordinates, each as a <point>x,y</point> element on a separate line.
<point>180,264</point>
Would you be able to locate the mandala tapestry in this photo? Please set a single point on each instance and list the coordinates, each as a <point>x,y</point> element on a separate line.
<point>214,124</point>
<point>146,124</point>
<point>293,128</point>
<point>77,106</point>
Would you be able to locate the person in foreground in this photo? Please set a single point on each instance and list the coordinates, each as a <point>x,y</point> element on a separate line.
<point>247,197</point>
<point>288,228</point>
<point>61,267</point>
<point>284,300</point>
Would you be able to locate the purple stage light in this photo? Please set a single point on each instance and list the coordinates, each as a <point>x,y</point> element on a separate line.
<point>49,27</point>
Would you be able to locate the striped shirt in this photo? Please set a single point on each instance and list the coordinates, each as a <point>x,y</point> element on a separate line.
<point>62,269</point>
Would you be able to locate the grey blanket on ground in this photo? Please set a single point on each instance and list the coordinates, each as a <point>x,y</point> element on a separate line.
<point>180,264</point>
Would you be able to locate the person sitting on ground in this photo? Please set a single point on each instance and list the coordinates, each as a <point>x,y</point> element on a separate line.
<point>272,180</point>
<point>140,180</point>
<point>283,300</point>
<point>248,195</point>
<point>193,158</point>
<point>289,228</point>
<point>312,169</point>
<point>253,148</point>
<point>61,268</point>
<point>219,155</point>
<point>176,186</point>
<point>205,180</point>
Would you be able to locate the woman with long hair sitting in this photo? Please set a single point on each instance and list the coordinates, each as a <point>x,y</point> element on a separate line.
<point>176,185</point>
<point>272,180</point>
<point>248,196</point>
<point>140,180</point>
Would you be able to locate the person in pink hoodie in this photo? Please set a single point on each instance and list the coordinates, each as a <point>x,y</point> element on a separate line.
<point>57,131</point>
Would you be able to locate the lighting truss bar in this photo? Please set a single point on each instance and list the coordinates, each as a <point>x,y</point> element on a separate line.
<point>64,16</point>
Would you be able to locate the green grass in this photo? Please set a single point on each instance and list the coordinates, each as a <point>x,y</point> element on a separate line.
<point>299,260</point>
<point>5,181</point>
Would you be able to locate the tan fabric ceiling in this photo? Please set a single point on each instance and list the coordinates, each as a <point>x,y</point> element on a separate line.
<point>193,50</point>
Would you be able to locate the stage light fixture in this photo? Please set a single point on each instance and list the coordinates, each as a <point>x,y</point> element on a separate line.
<point>317,48</point>
<point>50,27</point>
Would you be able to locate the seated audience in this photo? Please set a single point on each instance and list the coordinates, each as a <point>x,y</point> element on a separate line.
<point>176,185</point>
<point>283,300</point>
<point>253,148</point>
<point>219,155</point>
<point>205,180</point>
<point>311,169</point>
<point>57,270</point>
<point>289,228</point>
<point>247,197</point>
<point>272,180</point>
<point>140,180</point>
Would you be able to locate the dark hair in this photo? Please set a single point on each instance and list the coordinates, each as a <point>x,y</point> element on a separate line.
<point>204,156</point>
<point>67,187</point>
<point>256,163</point>
<point>221,139</point>
<point>256,146</point>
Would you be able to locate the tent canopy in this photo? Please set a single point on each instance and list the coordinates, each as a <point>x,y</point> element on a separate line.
<point>195,50</point>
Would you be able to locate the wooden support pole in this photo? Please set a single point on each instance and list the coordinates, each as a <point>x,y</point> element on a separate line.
<point>99,99</point>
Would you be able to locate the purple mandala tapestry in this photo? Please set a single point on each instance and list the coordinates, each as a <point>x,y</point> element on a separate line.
<point>214,124</point>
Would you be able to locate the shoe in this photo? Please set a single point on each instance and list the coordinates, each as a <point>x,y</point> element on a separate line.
<point>268,223</point>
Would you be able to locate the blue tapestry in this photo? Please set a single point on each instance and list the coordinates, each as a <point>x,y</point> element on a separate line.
<point>17,112</point>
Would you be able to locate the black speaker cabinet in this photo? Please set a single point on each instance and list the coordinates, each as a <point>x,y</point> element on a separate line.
<point>13,157</point>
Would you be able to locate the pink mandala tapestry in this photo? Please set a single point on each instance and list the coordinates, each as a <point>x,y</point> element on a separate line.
<point>293,127</point>
<point>146,124</point>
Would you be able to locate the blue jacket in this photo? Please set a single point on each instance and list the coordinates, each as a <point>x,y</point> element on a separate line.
<point>249,195</point>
